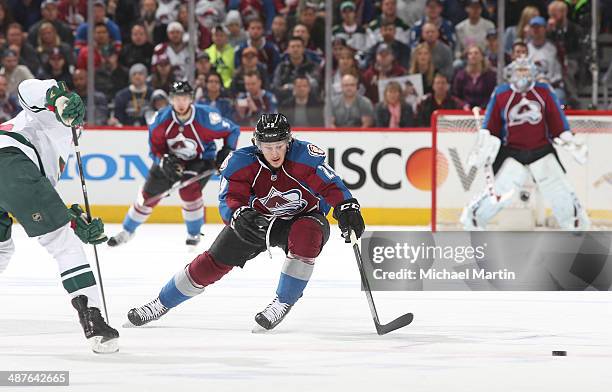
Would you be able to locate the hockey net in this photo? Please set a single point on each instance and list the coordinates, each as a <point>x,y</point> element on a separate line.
<point>453,136</point>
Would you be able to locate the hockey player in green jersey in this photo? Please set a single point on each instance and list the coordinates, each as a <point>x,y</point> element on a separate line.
<point>34,147</point>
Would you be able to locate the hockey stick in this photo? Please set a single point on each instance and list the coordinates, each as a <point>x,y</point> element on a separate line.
<point>75,139</point>
<point>381,329</point>
<point>180,185</point>
<point>488,168</point>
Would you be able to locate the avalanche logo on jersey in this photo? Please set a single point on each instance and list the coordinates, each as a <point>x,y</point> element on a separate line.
<point>315,151</point>
<point>182,147</point>
<point>284,203</point>
<point>525,111</point>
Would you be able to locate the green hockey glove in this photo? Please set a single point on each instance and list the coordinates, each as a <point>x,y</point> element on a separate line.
<point>88,232</point>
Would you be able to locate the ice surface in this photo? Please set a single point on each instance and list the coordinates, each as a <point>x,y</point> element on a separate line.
<point>458,342</point>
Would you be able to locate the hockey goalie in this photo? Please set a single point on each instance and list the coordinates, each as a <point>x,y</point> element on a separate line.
<point>522,123</point>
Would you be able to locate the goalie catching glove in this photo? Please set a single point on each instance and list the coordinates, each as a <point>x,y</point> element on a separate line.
<point>250,225</point>
<point>348,215</point>
<point>88,232</point>
<point>573,145</point>
<point>485,150</point>
<point>68,107</point>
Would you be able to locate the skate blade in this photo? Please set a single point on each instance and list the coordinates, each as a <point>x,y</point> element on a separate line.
<point>260,330</point>
<point>192,248</point>
<point>128,324</point>
<point>107,347</point>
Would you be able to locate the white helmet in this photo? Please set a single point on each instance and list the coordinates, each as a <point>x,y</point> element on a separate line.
<point>523,73</point>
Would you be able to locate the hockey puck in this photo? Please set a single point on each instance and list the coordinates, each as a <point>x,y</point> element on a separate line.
<point>559,353</point>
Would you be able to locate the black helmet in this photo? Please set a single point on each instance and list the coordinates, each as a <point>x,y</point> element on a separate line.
<point>181,88</point>
<point>272,128</point>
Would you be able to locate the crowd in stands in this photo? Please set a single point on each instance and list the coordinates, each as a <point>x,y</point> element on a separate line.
<point>394,61</point>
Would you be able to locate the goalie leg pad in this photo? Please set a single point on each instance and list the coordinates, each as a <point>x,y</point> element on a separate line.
<point>557,190</point>
<point>511,176</point>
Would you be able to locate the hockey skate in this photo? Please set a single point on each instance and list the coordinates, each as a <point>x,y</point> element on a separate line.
<point>103,338</point>
<point>120,238</point>
<point>193,241</point>
<point>271,316</point>
<point>145,314</point>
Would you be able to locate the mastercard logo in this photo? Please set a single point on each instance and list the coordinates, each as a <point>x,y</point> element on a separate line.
<point>418,169</point>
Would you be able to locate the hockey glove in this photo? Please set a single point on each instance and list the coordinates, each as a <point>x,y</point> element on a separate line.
<point>348,215</point>
<point>250,226</point>
<point>68,107</point>
<point>172,167</point>
<point>88,232</point>
<point>221,155</point>
<point>485,150</point>
<point>573,145</point>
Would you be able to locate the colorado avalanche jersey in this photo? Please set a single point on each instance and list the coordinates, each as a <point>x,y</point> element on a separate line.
<point>304,183</point>
<point>193,138</point>
<point>525,121</point>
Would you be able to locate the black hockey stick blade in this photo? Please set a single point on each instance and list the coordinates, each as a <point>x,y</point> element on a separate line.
<point>181,185</point>
<point>381,329</point>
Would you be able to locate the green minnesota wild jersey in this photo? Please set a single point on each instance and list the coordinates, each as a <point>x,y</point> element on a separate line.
<point>37,132</point>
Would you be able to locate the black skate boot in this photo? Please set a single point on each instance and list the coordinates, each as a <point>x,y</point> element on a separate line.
<point>120,238</point>
<point>193,241</point>
<point>103,338</point>
<point>272,315</point>
<point>145,313</point>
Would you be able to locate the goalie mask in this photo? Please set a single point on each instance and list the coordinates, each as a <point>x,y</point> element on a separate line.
<point>522,74</point>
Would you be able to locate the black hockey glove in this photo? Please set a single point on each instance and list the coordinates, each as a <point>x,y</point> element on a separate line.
<point>172,167</point>
<point>221,155</point>
<point>349,218</point>
<point>250,225</point>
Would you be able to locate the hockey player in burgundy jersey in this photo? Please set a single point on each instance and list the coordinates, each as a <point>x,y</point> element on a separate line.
<point>274,193</point>
<point>522,121</point>
<point>182,146</point>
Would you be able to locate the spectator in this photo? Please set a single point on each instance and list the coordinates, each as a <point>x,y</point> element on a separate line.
<point>237,36</point>
<point>314,23</point>
<point>566,36</point>
<point>159,100</point>
<point>212,96</point>
<point>13,71</point>
<point>139,50</point>
<point>393,111</point>
<point>15,41</point>
<point>544,55</point>
<point>255,101</point>
<point>433,12</point>
<point>73,12</point>
<point>48,41</point>
<point>311,52</point>
<point>26,12</point>
<point>278,33</point>
<point>347,65</point>
<point>203,64</point>
<point>384,67</point>
<point>441,54</point>
<point>472,30</point>
<point>266,51</point>
<point>221,55</point>
<point>6,18</point>
<point>401,52</point>
<point>411,11</point>
<point>295,64</point>
<point>175,49</point>
<point>103,47</point>
<point>124,13</point>
<point>250,63</point>
<point>437,100</point>
<point>421,63</point>
<point>491,50</point>
<point>475,83</point>
<point>162,76</point>
<point>303,109</point>
<point>204,36</point>
<point>519,32</point>
<point>156,31</point>
<point>352,109</point>
<point>111,76</point>
<point>49,12</point>
<point>356,36</point>
<point>99,18</point>
<point>132,101</point>
<point>9,107</point>
<point>519,49</point>
<point>389,14</point>
<point>79,81</point>
<point>209,13</point>
<point>56,67</point>
<point>167,11</point>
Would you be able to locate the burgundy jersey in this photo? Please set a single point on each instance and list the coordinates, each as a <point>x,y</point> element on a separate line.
<point>525,121</point>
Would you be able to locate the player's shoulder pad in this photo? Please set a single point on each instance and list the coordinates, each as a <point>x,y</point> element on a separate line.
<point>238,160</point>
<point>306,153</point>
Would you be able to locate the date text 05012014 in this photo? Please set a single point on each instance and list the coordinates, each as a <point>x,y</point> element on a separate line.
<point>34,378</point>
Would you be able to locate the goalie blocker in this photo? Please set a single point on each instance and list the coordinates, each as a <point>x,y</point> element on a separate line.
<point>525,115</point>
